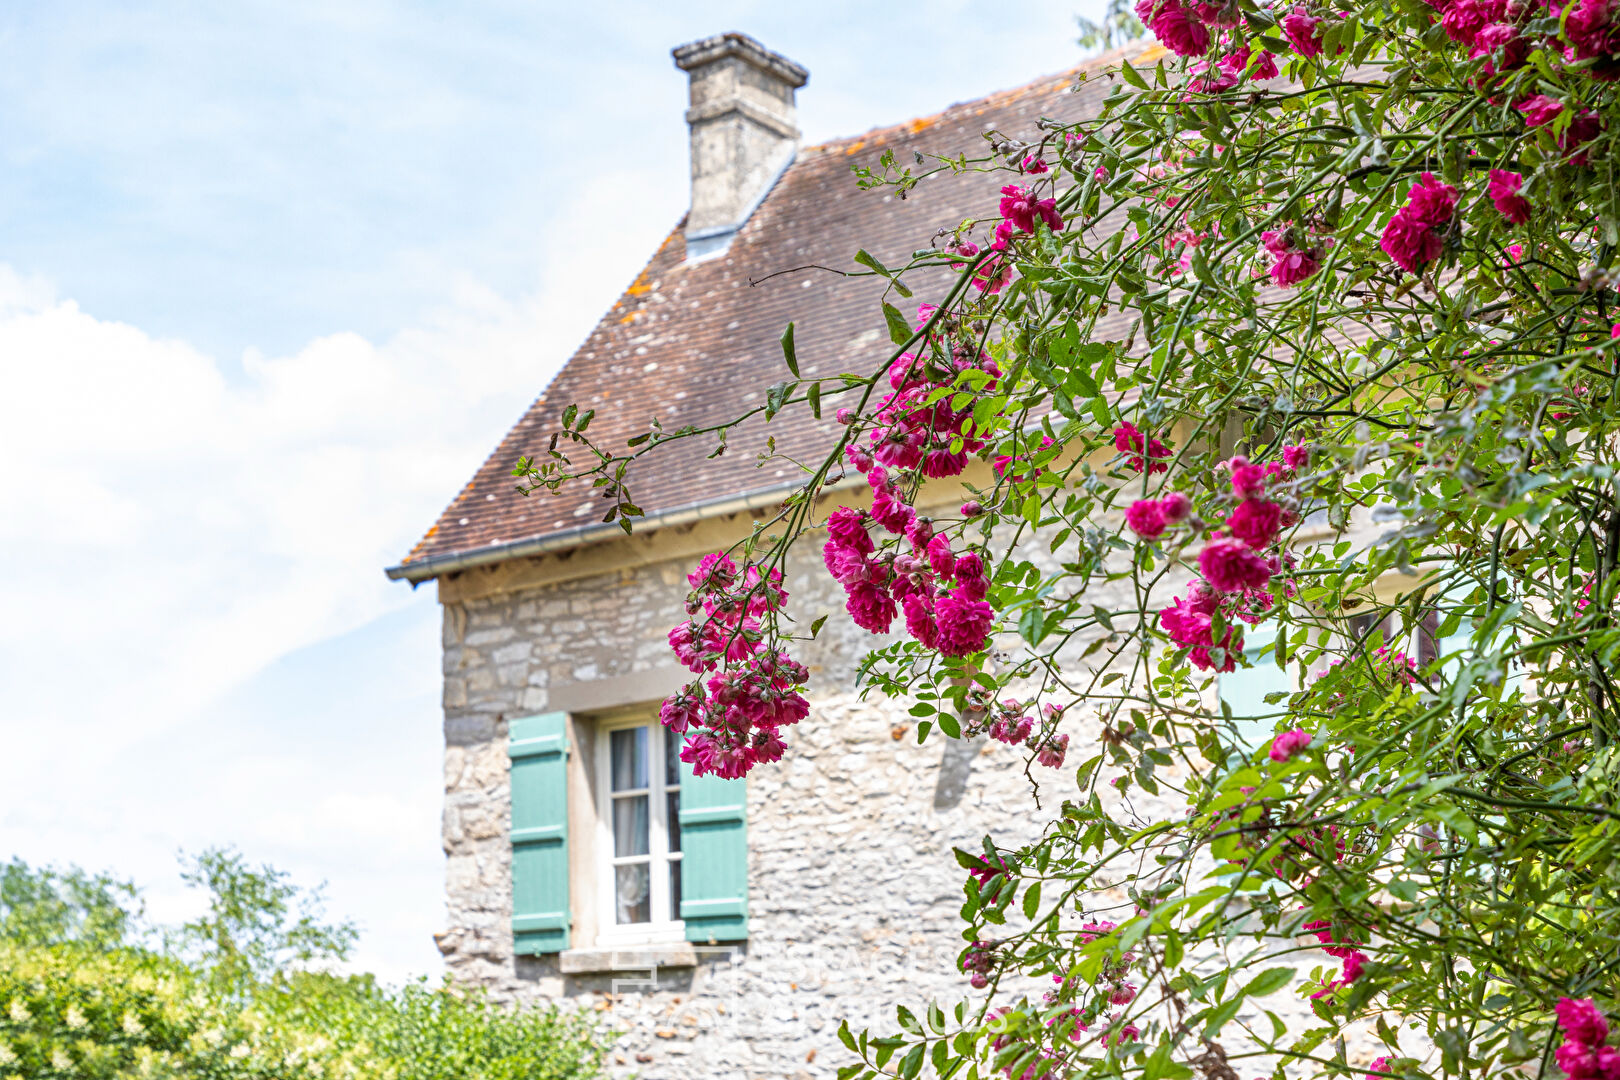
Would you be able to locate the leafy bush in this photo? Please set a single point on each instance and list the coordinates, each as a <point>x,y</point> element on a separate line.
<point>71,1011</point>
<point>421,1032</point>
<point>227,997</point>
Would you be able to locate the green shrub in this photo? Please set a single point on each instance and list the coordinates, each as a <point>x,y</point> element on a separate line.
<point>422,1032</point>
<point>230,995</point>
<point>71,1012</point>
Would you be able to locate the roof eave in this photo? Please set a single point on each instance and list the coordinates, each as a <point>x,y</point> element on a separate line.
<point>594,533</point>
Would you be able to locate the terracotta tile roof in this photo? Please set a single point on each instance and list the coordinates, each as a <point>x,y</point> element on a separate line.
<point>696,343</point>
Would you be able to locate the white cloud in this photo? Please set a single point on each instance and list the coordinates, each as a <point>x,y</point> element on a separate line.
<point>173,527</point>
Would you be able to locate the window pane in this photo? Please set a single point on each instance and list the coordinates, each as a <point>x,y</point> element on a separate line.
<point>674,819</point>
<point>675,890</point>
<point>629,751</point>
<point>672,759</point>
<point>632,898</point>
<point>630,826</point>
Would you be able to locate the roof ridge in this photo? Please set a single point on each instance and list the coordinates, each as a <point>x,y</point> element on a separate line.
<point>1136,49</point>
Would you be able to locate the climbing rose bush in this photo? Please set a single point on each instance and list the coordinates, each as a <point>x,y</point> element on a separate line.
<point>1301,354</point>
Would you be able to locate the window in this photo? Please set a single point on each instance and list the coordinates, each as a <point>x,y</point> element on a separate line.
<point>639,834</point>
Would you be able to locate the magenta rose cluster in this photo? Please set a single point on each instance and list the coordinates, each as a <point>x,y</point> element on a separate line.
<point>1146,452</point>
<point>733,721</point>
<point>1234,563</point>
<point>908,431</point>
<point>1498,35</point>
<point>1585,1053</point>
<point>1344,949</point>
<point>941,591</point>
<point>1021,208</point>
<point>1291,263</point>
<point>1011,723</point>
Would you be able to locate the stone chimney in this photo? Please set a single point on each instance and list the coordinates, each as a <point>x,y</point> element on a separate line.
<point>744,132</point>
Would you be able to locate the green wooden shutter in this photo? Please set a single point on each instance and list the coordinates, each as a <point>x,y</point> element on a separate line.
<point>539,753</point>
<point>1245,689</point>
<point>714,866</point>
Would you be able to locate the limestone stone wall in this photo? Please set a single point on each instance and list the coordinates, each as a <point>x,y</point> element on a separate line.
<point>853,892</point>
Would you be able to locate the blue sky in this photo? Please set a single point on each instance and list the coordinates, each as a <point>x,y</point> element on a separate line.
<point>274,278</point>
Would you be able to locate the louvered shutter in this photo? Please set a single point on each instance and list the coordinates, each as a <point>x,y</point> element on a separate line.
<point>1245,689</point>
<point>714,867</point>
<point>539,753</point>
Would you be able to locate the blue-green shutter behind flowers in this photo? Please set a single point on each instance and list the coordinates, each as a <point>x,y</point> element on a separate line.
<point>539,775</point>
<point>1245,689</point>
<point>714,871</point>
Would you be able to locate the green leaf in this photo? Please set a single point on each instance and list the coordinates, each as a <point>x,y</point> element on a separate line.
<point>899,328</point>
<point>1032,900</point>
<point>846,1038</point>
<point>1269,981</point>
<point>1221,1015</point>
<point>912,1063</point>
<point>788,352</point>
<point>813,395</point>
<point>868,260</point>
<point>1132,76</point>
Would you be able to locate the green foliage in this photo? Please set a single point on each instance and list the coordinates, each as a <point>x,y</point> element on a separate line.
<point>46,906</point>
<point>233,998</point>
<point>428,1033</point>
<point>1447,615</point>
<point>74,1012</point>
<point>257,922</point>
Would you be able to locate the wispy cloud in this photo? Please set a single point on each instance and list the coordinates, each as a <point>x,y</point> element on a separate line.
<point>412,215</point>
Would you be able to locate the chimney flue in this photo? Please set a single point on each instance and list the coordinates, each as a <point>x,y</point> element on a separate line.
<point>744,132</point>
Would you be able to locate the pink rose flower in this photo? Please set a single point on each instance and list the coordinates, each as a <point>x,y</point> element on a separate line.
<point>1292,264</point>
<point>1289,743</point>
<point>1230,565</point>
<point>1539,110</point>
<point>1300,29</point>
<point>1255,522</point>
<point>1248,480</point>
<point>1023,209</point>
<point>1412,237</point>
<point>1503,38</point>
<point>1175,506</point>
<point>1465,18</point>
<point>920,622</point>
<point>1127,439</point>
<point>1052,751</point>
<point>1179,30</point>
<point>964,624</point>
<point>1146,518</point>
<point>1504,192</point>
<point>871,606</point>
<point>1582,1020</point>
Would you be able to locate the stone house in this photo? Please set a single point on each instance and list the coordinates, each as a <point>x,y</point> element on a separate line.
<point>726,927</point>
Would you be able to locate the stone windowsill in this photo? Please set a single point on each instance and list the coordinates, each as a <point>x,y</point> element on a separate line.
<point>626,958</point>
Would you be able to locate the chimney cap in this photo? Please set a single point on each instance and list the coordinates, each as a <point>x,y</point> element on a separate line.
<point>707,50</point>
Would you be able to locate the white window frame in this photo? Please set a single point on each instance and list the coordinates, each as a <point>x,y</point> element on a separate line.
<point>659,930</point>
